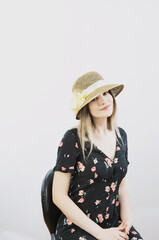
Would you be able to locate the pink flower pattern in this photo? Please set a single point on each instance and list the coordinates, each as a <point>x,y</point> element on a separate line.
<point>100,218</point>
<point>101,175</point>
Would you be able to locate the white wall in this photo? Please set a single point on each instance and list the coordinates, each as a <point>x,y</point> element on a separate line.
<point>44,47</point>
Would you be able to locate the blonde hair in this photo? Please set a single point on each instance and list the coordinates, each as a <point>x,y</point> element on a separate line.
<point>85,127</point>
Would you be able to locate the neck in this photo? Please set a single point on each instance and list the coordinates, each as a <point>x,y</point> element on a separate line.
<point>100,126</point>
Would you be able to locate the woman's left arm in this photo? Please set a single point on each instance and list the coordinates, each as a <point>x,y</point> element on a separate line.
<point>125,209</point>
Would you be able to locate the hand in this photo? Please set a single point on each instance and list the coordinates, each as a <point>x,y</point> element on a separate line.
<point>128,224</point>
<point>114,233</point>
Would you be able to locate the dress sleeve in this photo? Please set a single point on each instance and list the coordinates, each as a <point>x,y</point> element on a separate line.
<point>126,147</point>
<point>67,153</point>
<point>125,139</point>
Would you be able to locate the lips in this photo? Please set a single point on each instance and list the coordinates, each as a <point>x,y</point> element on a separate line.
<point>105,107</point>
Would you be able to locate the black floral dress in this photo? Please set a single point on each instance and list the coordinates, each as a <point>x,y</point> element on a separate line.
<point>94,185</point>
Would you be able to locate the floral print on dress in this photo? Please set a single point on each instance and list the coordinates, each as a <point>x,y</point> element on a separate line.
<point>94,185</point>
<point>81,167</point>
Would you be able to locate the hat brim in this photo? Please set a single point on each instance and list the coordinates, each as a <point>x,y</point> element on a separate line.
<point>115,88</point>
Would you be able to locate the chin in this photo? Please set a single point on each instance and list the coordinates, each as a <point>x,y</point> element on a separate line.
<point>102,115</point>
<point>105,114</point>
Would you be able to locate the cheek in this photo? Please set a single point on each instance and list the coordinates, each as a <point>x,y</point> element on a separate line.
<point>111,98</point>
<point>92,107</point>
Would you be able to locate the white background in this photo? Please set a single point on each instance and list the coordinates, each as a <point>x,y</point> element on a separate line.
<point>44,47</point>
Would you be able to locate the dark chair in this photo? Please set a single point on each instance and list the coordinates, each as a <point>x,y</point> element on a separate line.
<point>51,212</point>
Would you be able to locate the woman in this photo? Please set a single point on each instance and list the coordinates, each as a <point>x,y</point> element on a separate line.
<point>89,181</point>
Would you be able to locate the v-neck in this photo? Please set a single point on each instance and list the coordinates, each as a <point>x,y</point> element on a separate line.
<point>105,155</point>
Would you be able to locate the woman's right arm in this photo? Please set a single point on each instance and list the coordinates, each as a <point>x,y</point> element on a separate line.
<point>61,199</point>
<point>65,166</point>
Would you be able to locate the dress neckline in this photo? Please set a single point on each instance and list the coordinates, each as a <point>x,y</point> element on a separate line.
<point>104,154</point>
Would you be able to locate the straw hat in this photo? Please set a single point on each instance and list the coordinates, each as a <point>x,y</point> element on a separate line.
<point>89,86</point>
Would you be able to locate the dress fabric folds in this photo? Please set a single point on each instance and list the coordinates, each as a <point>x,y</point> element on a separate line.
<point>94,185</point>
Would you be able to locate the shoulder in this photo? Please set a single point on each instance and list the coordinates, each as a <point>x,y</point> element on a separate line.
<point>123,132</point>
<point>70,135</point>
<point>68,142</point>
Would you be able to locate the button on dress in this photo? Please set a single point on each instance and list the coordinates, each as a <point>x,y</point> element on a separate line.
<point>94,186</point>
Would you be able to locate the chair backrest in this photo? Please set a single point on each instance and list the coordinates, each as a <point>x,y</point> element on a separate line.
<point>51,212</point>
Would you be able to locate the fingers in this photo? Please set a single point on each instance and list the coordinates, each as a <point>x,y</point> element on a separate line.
<point>121,227</point>
<point>123,236</point>
<point>122,224</point>
<point>127,230</point>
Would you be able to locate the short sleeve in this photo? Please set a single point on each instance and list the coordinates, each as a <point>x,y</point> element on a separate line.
<point>125,139</point>
<point>67,153</point>
<point>126,147</point>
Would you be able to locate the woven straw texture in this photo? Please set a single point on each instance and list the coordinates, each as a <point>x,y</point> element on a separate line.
<point>87,80</point>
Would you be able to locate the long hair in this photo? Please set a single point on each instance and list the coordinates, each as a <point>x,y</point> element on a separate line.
<point>86,125</point>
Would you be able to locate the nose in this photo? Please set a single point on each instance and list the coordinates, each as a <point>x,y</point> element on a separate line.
<point>101,99</point>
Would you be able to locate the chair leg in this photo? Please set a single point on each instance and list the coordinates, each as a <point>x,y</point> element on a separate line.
<point>53,236</point>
